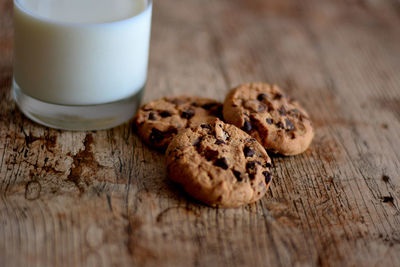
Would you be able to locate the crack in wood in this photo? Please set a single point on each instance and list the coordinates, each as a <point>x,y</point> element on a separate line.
<point>49,142</point>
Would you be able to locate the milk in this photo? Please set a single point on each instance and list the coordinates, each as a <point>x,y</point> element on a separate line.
<point>81,52</point>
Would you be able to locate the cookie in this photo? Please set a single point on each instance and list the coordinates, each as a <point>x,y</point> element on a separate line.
<point>219,164</point>
<point>157,122</point>
<point>280,124</point>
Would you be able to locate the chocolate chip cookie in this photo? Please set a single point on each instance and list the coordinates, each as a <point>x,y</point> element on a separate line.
<point>157,122</point>
<point>280,124</point>
<point>219,164</point>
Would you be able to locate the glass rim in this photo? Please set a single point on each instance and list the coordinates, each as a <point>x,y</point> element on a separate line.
<point>149,4</point>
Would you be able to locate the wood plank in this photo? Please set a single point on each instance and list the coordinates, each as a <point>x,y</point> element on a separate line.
<point>102,198</point>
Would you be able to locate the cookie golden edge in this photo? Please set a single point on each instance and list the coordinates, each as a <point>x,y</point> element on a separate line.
<point>183,174</point>
<point>143,126</point>
<point>235,116</point>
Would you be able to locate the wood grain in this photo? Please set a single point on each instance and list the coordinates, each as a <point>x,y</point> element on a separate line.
<point>102,198</point>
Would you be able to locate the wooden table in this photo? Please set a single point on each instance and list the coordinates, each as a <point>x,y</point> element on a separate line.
<point>102,198</point>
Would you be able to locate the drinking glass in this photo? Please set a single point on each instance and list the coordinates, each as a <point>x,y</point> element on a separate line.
<point>80,64</point>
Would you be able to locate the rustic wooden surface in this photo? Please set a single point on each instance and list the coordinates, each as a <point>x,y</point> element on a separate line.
<point>102,198</point>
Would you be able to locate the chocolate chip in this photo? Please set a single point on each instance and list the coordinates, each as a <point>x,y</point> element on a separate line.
<point>277,96</point>
<point>156,135</point>
<point>165,114</point>
<point>247,126</point>
<point>220,142</point>
<point>251,165</point>
<point>248,152</point>
<point>268,165</point>
<point>237,175</point>
<point>280,125</point>
<point>267,176</point>
<point>282,111</point>
<point>261,97</point>
<point>205,126</point>
<point>289,125</point>
<point>270,121</point>
<point>152,116</point>
<point>209,105</point>
<point>211,154</point>
<point>195,104</point>
<point>221,162</point>
<point>187,114</point>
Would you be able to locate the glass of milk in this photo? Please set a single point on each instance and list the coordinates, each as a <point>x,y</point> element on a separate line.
<point>80,64</point>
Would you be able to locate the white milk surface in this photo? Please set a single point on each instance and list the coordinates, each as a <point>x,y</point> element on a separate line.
<point>81,52</point>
